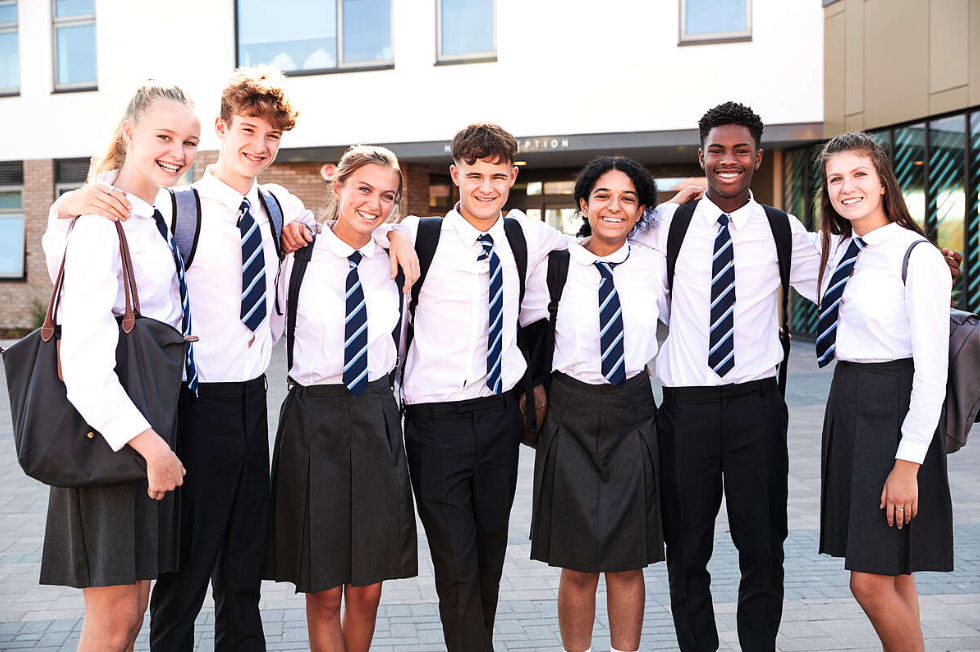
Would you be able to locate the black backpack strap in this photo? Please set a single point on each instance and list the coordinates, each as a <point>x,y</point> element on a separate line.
<point>300,260</point>
<point>426,242</point>
<point>675,237</point>
<point>783,235</point>
<point>558,262</point>
<point>185,221</point>
<point>397,332</point>
<point>905,260</point>
<point>274,210</point>
<point>518,245</point>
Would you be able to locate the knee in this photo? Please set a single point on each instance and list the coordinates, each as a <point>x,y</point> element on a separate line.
<point>363,600</point>
<point>324,605</point>
<point>867,589</point>
<point>579,581</point>
<point>626,578</point>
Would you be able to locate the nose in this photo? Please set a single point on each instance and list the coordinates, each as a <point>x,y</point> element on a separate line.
<point>486,185</point>
<point>615,205</point>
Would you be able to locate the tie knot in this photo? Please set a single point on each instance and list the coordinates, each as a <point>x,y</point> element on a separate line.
<point>723,219</point>
<point>355,259</point>
<point>245,207</point>
<point>486,240</point>
<point>158,217</point>
<point>861,244</point>
<point>605,268</point>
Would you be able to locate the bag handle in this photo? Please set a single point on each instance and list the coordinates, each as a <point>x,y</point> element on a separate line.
<point>129,288</point>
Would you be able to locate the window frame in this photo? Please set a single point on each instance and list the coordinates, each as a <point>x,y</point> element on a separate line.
<point>22,214</point>
<point>12,28</point>
<point>72,21</point>
<point>342,66</point>
<point>468,57</point>
<point>714,37</point>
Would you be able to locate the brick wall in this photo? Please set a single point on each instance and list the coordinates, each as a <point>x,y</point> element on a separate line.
<point>19,297</point>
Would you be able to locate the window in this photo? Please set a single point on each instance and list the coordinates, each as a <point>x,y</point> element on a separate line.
<point>74,44</point>
<point>69,174</point>
<point>9,56</point>
<point>12,226</point>
<point>715,20</point>
<point>302,36</point>
<point>466,30</point>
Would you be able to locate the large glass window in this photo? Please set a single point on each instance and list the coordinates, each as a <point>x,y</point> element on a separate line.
<point>908,160</point>
<point>971,263</point>
<point>302,36</point>
<point>715,20</point>
<point>12,236</point>
<point>9,50</point>
<point>74,44</point>
<point>466,29</point>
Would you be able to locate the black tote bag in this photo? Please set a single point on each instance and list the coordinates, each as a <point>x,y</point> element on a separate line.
<point>54,444</point>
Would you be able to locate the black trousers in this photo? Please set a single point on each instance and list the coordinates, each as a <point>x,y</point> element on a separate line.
<point>731,437</point>
<point>224,445</point>
<point>463,461</point>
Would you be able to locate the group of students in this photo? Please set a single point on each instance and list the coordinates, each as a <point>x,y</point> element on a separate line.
<point>615,478</point>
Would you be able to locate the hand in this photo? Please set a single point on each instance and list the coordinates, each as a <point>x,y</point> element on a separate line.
<point>96,199</point>
<point>164,472</point>
<point>953,259</point>
<point>402,253</point>
<point>900,497</point>
<point>689,193</point>
<point>295,235</point>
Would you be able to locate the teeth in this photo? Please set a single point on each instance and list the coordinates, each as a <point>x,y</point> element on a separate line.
<point>366,216</point>
<point>169,167</point>
<point>254,159</point>
<point>849,202</point>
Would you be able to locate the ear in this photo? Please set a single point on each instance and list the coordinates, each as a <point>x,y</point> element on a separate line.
<point>701,157</point>
<point>584,207</point>
<point>639,214</point>
<point>220,127</point>
<point>513,175</point>
<point>127,131</point>
<point>758,158</point>
<point>335,187</point>
<point>454,173</point>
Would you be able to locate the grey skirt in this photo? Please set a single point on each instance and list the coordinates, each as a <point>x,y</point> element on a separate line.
<point>596,506</point>
<point>861,431</point>
<point>341,509</point>
<point>109,536</point>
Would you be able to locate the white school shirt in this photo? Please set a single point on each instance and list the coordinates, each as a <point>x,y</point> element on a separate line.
<point>641,282</point>
<point>448,356</point>
<point>683,361</point>
<point>881,319</point>
<point>214,279</point>
<point>91,298</point>
<point>318,350</point>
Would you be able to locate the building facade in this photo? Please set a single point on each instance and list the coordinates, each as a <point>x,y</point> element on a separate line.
<point>571,79</point>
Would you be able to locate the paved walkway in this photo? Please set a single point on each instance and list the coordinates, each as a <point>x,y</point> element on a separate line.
<point>819,613</point>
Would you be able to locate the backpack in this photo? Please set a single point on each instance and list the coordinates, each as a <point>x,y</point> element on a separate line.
<point>301,259</point>
<point>781,233</point>
<point>962,405</point>
<point>185,220</point>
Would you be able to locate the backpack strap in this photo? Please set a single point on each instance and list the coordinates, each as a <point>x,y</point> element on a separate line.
<point>274,210</point>
<point>426,242</point>
<point>558,262</point>
<point>185,221</point>
<point>397,332</point>
<point>783,235</point>
<point>679,224</point>
<point>905,260</point>
<point>518,245</point>
<point>300,260</point>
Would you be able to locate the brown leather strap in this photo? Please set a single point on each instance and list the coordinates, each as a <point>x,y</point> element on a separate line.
<point>47,328</point>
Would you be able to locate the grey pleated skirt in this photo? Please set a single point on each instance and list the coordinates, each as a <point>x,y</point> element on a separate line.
<point>862,428</point>
<point>109,536</point>
<point>596,506</point>
<point>341,509</point>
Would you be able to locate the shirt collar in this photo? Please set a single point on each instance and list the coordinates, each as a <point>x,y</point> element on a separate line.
<point>586,257</point>
<point>881,234</point>
<point>343,250</point>
<point>469,233</point>
<point>739,217</point>
<point>140,207</point>
<point>225,194</point>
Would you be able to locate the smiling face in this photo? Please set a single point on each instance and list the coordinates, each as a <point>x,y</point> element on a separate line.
<point>365,199</point>
<point>160,147</point>
<point>613,209</point>
<point>483,189</point>
<point>249,145</point>
<point>728,157</point>
<point>855,190</point>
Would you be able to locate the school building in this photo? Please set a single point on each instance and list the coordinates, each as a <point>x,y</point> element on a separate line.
<point>572,79</point>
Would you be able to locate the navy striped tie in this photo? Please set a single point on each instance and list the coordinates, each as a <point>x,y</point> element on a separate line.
<point>355,330</point>
<point>185,320</point>
<point>253,269</point>
<point>611,326</point>
<point>830,303</point>
<point>721,336</point>
<point>495,334</point>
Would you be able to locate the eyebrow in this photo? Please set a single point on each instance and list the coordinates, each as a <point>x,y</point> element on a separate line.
<point>735,145</point>
<point>631,192</point>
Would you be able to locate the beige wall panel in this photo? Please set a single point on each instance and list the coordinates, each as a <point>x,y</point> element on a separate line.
<point>854,53</point>
<point>974,57</point>
<point>896,61</point>
<point>833,72</point>
<point>951,100</point>
<point>854,122</point>
<point>949,36</point>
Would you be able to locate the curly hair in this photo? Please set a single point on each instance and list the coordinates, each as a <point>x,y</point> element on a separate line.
<point>731,113</point>
<point>646,187</point>
<point>258,92</point>
<point>484,140</point>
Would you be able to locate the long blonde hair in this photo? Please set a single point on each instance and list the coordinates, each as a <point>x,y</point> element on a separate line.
<point>356,157</point>
<point>143,100</point>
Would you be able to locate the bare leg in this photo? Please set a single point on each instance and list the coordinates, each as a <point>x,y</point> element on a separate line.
<point>905,585</point>
<point>625,593</point>
<point>360,615</point>
<point>144,602</point>
<point>896,623</point>
<point>323,620</point>
<point>112,618</point>
<point>576,608</point>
